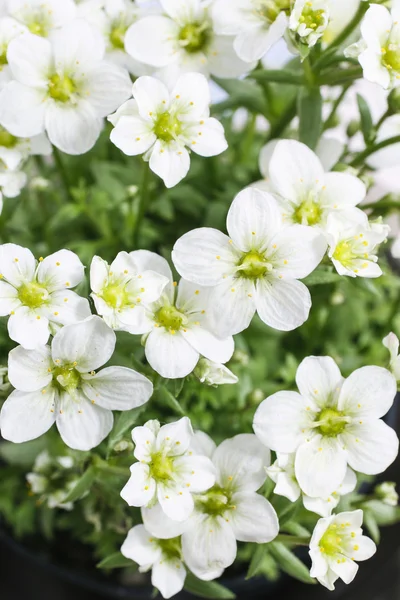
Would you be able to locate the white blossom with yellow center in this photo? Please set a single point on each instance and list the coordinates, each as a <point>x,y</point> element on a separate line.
<point>59,384</point>
<point>378,51</point>
<point>337,544</point>
<point>309,19</point>
<point>229,512</point>
<point>121,292</point>
<point>42,17</point>
<point>167,473</point>
<point>165,126</point>
<point>256,268</point>
<point>331,424</point>
<point>37,294</point>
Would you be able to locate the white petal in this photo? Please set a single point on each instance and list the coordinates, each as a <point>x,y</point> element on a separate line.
<point>170,354</point>
<point>342,190</point>
<point>375,26</point>
<point>283,305</point>
<point>108,87</point>
<point>202,444</point>
<point>176,501</point>
<point>90,343</point>
<point>294,170</point>
<point>77,43</point>
<point>373,68</point>
<point>320,506</point>
<point>209,545</point>
<point>161,526</point>
<point>203,256</point>
<point>181,10</point>
<point>29,370</point>
<point>191,97</point>
<point>299,250</point>
<point>133,135</point>
<point>60,270</point>
<point>17,264</point>
<point>319,378</point>
<point>366,548</point>
<point>228,16</point>
<point>22,109</point>
<point>144,439</point>
<point>254,519</point>
<point>174,439</point>
<point>168,576</point>
<point>206,344</point>
<point>252,44</point>
<point>320,466</point>
<point>198,471</point>
<point>67,307</point>
<point>222,59</point>
<point>117,388</point>
<point>9,300</point>
<point>30,58</point>
<point>98,274</point>
<point>150,261</point>
<point>346,569</point>
<point>241,462</point>
<point>140,546</point>
<point>232,306</point>
<point>74,129</point>
<point>140,489</point>
<point>171,162</point>
<point>27,415</point>
<point>279,420</point>
<point>83,425</point>
<point>368,393</point>
<point>151,95</point>
<point>253,219</point>
<point>28,328</point>
<point>151,40</point>
<point>371,446</point>
<point>208,138</point>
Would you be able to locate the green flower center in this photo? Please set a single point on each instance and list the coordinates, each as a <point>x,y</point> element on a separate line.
<point>167,127</point>
<point>194,36</point>
<point>161,467</point>
<point>312,19</point>
<point>391,57</point>
<point>331,422</point>
<point>170,318</point>
<point>66,377</point>
<point>215,502</point>
<point>39,24</point>
<point>344,253</point>
<point>32,294</point>
<point>117,37</point>
<point>253,265</point>
<point>115,295</point>
<point>3,56</point>
<point>171,548</point>
<point>308,213</point>
<point>270,9</point>
<point>330,543</point>
<point>61,87</point>
<point>7,140</point>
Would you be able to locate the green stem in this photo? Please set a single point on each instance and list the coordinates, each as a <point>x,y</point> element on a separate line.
<point>277,76</point>
<point>308,72</point>
<point>143,201</point>
<point>292,539</point>
<point>359,158</point>
<point>383,118</point>
<point>329,122</point>
<point>62,172</point>
<point>287,116</point>
<point>341,76</point>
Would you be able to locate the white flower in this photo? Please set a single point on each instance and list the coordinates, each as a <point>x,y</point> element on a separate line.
<point>230,511</point>
<point>15,150</point>
<point>257,24</point>
<point>306,194</point>
<point>353,242</point>
<point>212,373</point>
<point>391,342</point>
<point>9,29</point>
<point>59,384</point>
<point>38,296</point>
<point>331,424</point>
<point>163,125</point>
<point>162,556</point>
<point>182,40</point>
<point>167,472</point>
<point>337,542</point>
<point>255,269</point>
<point>309,19</point>
<point>121,292</point>
<point>63,86</point>
<point>11,182</point>
<point>378,51</point>
<point>42,17</point>
<point>44,480</point>
<point>341,12</point>
<point>177,327</point>
<point>282,472</point>
<point>386,492</point>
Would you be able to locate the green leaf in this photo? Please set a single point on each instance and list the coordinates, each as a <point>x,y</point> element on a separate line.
<point>257,561</point>
<point>125,420</point>
<point>22,455</point>
<point>170,400</point>
<point>83,485</point>
<point>367,126</point>
<point>289,563</point>
<point>310,114</point>
<point>289,512</point>
<point>206,589</point>
<point>372,526</point>
<point>322,276</point>
<point>115,561</point>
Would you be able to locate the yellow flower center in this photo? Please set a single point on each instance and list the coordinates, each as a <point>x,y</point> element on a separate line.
<point>32,294</point>
<point>270,9</point>
<point>161,467</point>
<point>344,253</point>
<point>214,502</point>
<point>312,19</point>
<point>61,87</point>
<point>194,36</point>
<point>7,140</point>
<point>117,36</point>
<point>253,265</point>
<point>331,422</point>
<point>66,377</point>
<point>116,296</point>
<point>391,57</point>
<point>170,318</point>
<point>167,127</point>
<point>308,213</point>
<point>330,543</point>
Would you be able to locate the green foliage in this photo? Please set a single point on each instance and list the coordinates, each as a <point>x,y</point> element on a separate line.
<point>206,589</point>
